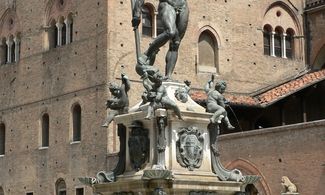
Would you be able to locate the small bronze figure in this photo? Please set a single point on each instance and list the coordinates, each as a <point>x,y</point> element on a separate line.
<point>216,102</point>
<point>119,101</point>
<point>156,94</point>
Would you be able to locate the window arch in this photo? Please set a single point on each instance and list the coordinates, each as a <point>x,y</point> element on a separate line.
<point>147,20</point>
<point>282,42</point>
<point>2,139</point>
<point>76,123</point>
<point>60,187</point>
<point>10,37</point>
<point>59,23</point>
<point>45,130</point>
<point>208,50</point>
<point>278,45</point>
<point>267,33</point>
<point>289,43</point>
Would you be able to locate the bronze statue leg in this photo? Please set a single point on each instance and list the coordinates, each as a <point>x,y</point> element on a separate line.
<point>110,117</point>
<point>172,54</point>
<point>168,16</point>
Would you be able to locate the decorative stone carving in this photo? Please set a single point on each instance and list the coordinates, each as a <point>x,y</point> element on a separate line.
<point>287,185</point>
<point>138,145</point>
<point>189,148</point>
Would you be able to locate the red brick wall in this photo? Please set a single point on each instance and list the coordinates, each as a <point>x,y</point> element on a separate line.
<point>296,151</point>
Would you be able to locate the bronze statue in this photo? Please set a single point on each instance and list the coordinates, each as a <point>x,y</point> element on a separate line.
<point>156,94</point>
<point>216,102</point>
<point>119,101</point>
<point>174,15</point>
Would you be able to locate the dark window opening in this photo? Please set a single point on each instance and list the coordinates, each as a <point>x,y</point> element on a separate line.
<point>79,191</point>
<point>29,193</point>
<point>64,34</point>
<point>251,190</point>
<point>267,43</point>
<point>45,130</point>
<point>2,139</point>
<point>71,32</point>
<point>76,123</point>
<point>4,52</point>
<point>146,21</point>
<point>1,191</point>
<point>277,45</point>
<point>289,46</point>
<point>13,49</point>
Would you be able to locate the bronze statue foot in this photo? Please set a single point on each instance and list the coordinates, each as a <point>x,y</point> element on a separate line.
<point>105,125</point>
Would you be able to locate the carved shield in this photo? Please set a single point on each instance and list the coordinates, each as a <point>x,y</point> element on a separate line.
<point>138,145</point>
<point>190,148</point>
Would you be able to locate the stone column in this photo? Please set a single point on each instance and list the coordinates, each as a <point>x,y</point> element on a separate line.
<point>17,49</point>
<point>9,44</point>
<point>283,40</point>
<point>59,35</point>
<point>272,44</point>
<point>68,31</point>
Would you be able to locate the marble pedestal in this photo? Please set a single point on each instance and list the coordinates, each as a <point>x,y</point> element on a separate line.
<point>165,170</point>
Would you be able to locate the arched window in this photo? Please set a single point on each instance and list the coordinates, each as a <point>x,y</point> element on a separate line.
<point>13,50</point>
<point>2,191</point>
<point>4,51</point>
<point>208,54</point>
<point>45,130</point>
<point>64,33</point>
<point>60,187</point>
<point>69,33</point>
<point>53,35</point>
<point>278,42</point>
<point>76,121</point>
<point>2,139</point>
<point>289,43</point>
<point>267,30</point>
<point>146,21</point>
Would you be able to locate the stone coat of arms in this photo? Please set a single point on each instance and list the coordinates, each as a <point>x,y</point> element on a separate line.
<point>189,148</point>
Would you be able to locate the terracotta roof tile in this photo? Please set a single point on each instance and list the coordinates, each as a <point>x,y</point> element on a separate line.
<point>272,95</point>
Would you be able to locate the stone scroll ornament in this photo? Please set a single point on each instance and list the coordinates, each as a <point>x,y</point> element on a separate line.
<point>189,148</point>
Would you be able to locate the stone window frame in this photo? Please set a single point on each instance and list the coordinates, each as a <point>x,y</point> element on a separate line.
<point>155,21</point>
<point>58,28</point>
<point>297,42</point>
<point>3,139</point>
<point>215,36</point>
<point>80,187</point>
<point>42,120</point>
<point>10,36</point>
<point>59,189</point>
<point>73,133</point>
<point>282,34</point>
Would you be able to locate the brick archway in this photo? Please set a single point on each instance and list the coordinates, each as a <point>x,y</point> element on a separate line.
<point>248,168</point>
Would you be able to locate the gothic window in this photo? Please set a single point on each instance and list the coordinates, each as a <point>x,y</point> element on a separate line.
<point>4,51</point>
<point>64,34</point>
<point>289,43</point>
<point>146,21</point>
<point>2,139</point>
<point>207,50</point>
<point>2,191</point>
<point>13,50</point>
<point>60,187</point>
<point>76,121</point>
<point>45,130</point>
<point>278,42</point>
<point>79,191</point>
<point>53,35</point>
<point>267,39</point>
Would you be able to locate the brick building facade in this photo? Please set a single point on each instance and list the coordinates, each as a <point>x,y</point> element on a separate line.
<point>57,56</point>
